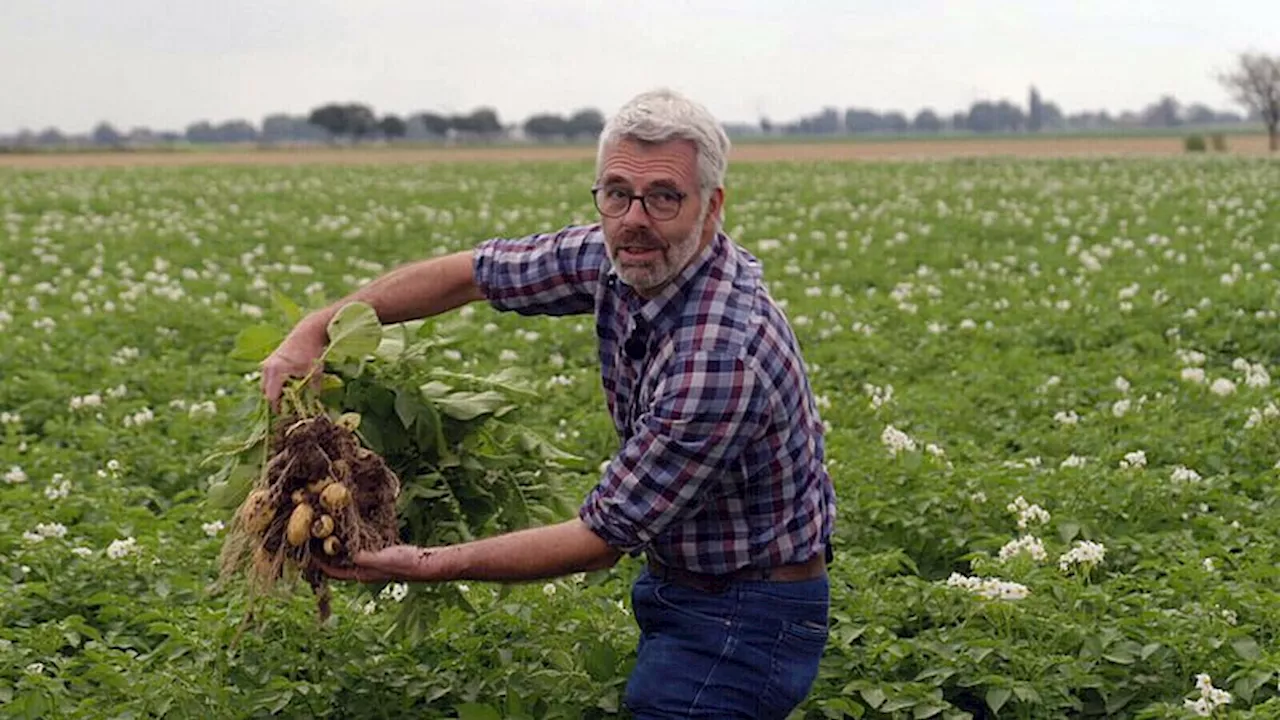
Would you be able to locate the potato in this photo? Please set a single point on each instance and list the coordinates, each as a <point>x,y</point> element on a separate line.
<point>335,497</point>
<point>299,529</point>
<point>322,527</point>
<point>332,545</point>
<point>256,513</point>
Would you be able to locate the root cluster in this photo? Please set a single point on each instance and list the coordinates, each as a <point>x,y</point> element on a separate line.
<point>322,498</point>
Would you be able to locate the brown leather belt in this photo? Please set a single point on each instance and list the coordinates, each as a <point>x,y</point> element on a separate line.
<point>706,582</point>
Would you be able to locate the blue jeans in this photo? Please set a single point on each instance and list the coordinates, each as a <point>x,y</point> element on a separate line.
<point>749,652</point>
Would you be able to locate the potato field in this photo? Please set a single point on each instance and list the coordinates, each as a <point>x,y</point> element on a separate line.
<point>1049,386</point>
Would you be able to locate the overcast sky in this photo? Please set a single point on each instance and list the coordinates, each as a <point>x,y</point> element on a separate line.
<point>167,63</point>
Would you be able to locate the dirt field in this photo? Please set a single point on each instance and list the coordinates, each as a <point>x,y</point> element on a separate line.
<point>743,152</point>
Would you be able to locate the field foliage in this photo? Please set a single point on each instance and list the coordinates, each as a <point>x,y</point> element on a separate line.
<point>1052,425</point>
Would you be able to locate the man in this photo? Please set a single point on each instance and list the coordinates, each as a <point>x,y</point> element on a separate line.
<point>719,478</point>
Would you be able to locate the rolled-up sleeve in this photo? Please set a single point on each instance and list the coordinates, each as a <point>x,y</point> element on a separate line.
<point>542,274</point>
<point>704,413</point>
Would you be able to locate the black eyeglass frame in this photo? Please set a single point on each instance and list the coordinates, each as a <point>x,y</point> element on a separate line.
<point>644,203</point>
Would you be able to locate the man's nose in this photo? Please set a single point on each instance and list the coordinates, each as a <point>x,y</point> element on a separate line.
<point>636,214</point>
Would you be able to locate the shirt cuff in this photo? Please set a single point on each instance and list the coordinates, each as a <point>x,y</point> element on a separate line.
<point>607,520</point>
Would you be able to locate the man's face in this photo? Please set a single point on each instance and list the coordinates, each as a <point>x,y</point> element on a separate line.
<point>648,253</point>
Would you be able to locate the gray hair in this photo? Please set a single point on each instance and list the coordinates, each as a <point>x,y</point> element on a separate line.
<point>658,116</point>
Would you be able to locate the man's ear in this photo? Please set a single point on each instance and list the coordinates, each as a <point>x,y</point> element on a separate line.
<point>715,211</point>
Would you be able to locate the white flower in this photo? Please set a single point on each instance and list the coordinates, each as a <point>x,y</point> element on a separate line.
<point>1184,474</point>
<point>508,356</point>
<point>451,354</point>
<point>58,488</point>
<point>549,589</point>
<point>119,548</point>
<point>1208,565</point>
<point>1135,459</point>
<point>1085,554</point>
<point>1027,513</point>
<point>202,409</point>
<point>1073,461</point>
<point>1120,407</point>
<point>978,497</point>
<point>1066,417</point>
<point>1222,387</point>
<point>212,528</point>
<point>140,418</point>
<point>113,465</point>
<point>35,668</point>
<point>1191,357</point>
<point>15,475</point>
<point>1028,544</point>
<point>395,591</point>
<point>1193,374</point>
<point>990,588</point>
<point>1122,385</point>
<point>82,551</point>
<point>1211,698</point>
<point>896,440</point>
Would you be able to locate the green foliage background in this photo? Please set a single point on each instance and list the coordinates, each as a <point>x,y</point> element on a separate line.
<point>967,286</point>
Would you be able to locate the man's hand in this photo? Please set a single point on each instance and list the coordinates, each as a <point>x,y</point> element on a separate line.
<point>400,563</point>
<point>533,554</point>
<point>295,357</point>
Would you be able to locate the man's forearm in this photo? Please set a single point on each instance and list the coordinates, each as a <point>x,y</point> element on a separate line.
<point>418,290</point>
<point>525,555</point>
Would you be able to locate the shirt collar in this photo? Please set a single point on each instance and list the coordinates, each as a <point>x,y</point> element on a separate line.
<point>654,311</point>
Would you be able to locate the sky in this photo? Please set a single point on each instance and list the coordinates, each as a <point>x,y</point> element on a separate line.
<point>164,64</point>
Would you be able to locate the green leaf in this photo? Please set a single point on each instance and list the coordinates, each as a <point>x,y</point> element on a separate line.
<point>477,711</point>
<point>510,379</point>
<point>354,333</point>
<point>1246,648</point>
<point>926,710</point>
<point>600,660</point>
<point>1118,701</point>
<point>256,342</point>
<point>464,405</point>
<point>292,313</point>
<point>228,493</point>
<point>874,697</point>
<point>1068,531</point>
<point>406,408</point>
<point>997,697</point>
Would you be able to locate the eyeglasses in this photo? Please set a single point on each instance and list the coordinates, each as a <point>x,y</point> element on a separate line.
<point>613,201</point>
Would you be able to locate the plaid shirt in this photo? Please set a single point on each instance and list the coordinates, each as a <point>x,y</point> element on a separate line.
<point>721,458</point>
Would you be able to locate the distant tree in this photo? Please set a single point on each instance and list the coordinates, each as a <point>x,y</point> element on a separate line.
<point>546,126</point>
<point>1200,114</point>
<point>201,132</point>
<point>960,121</point>
<point>862,121</point>
<point>105,134</point>
<point>1035,112</point>
<point>484,121</point>
<point>1165,113</point>
<point>345,120</point>
<point>236,131</point>
<point>433,124</point>
<point>585,123</point>
<point>896,122</point>
<point>392,127</point>
<point>983,117</point>
<point>51,136</point>
<point>1255,84</point>
<point>1051,116</point>
<point>926,121</point>
<point>766,126</point>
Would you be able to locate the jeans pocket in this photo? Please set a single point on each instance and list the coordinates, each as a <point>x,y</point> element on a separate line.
<point>794,665</point>
<point>693,603</point>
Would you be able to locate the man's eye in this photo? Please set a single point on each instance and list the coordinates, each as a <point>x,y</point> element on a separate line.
<point>616,193</point>
<point>666,197</point>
